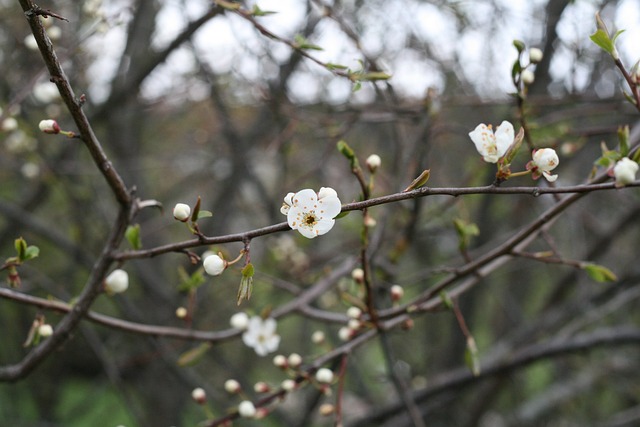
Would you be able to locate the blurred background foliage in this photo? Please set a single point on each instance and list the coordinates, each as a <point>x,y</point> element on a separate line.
<point>190,100</point>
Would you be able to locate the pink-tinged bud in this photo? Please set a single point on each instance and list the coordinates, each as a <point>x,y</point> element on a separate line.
<point>261,387</point>
<point>280,361</point>
<point>199,395</point>
<point>397,292</point>
<point>49,126</point>
<point>232,386</point>
<point>373,163</point>
<point>354,312</point>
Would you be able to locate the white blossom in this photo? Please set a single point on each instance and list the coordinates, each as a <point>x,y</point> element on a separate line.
<point>214,265</point>
<point>527,77</point>
<point>373,163</point>
<point>490,145</point>
<point>310,213</point>
<point>544,161</point>
<point>199,395</point>
<point>261,335</point>
<point>116,282</point>
<point>232,386</point>
<point>625,171</point>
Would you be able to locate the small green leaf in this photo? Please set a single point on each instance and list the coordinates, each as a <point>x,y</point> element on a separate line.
<point>196,210</point>
<point>331,66</point>
<point>615,36</point>
<point>419,181</point>
<point>31,253</point>
<point>599,273</point>
<point>204,214</point>
<point>133,236</point>
<point>519,45</point>
<point>21,247</point>
<point>623,139</point>
<point>348,152</point>
<point>602,39</point>
<point>465,232</point>
<point>193,356</point>
<point>374,75</point>
<point>246,284</point>
<point>192,282</point>
<point>516,69</point>
<point>256,11</point>
<point>228,5</point>
<point>302,43</point>
<point>471,357</point>
<point>356,87</point>
<point>342,214</point>
<point>446,300</point>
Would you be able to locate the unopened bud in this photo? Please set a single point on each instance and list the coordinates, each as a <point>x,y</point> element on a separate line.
<point>246,409</point>
<point>294,360</point>
<point>214,265</point>
<point>535,55</point>
<point>358,275</point>
<point>397,292</point>
<point>199,395</point>
<point>288,385</point>
<point>49,126</point>
<point>317,337</point>
<point>232,386</point>
<point>280,361</point>
<point>45,330</point>
<point>527,77</point>
<point>181,212</point>
<point>354,312</point>
<point>373,163</point>
<point>326,409</point>
<point>116,282</point>
<point>324,375</point>
<point>261,387</point>
<point>181,312</point>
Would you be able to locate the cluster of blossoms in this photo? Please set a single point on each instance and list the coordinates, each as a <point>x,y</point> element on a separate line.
<point>311,213</point>
<point>259,334</point>
<point>493,146</point>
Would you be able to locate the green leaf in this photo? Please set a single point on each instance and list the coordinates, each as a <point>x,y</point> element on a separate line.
<point>21,247</point>
<point>302,43</point>
<point>516,69</point>
<point>193,356</point>
<point>356,87</point>
<point>196,210</point>
<point>246,284</point>
<point>342,214</point>
<point>331,66</point>
<point>615,36</point>
<point>133,236</point>
<point>520,46</point>
<point>623,139</point>
<point>348,152</point>
<point>599,273</point>
<point>256,11</point>
<point>602,39</point>
<point>228,5</point>
<point>31,253</point>
<point>204,214</point>
<point>465,232</point>
<point>471,357</point>
<point>420,181</point>
<point>374,75</point>
<point>191,282</point>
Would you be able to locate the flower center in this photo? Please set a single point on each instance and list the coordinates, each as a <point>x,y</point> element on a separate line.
<point>309,219</point>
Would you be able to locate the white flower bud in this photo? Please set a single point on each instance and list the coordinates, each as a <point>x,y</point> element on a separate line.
<point>345,333</point>
<point>181,312</point>
<point>214,265</point>
<point>45,330</point>
<point>246,409</point>
<point>358,275</point>
<point>288,385</point>
<point>354,312</point>
<point>354,324</point>
<point>527,77</point>
<point>373,163</point>
<point>232,386</point>
<point>625,171</point>
<point>535,55</point>
<point>9,124</point>
<point>261,387</point>
<point>116,282</point>
<point>326,409</point>
<point>397,292</point>
<point>30,42</point>
<point>181,212</point>
<point>199,395</point>
<point>294,360</point>
<point>49,126</point>
<point>280,361</point>
<point>239,321</point>
<point>317,337</point>
<point>324,376</point>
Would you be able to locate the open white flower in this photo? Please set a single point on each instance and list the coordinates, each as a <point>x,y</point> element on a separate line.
<point>492,146</point>
<point>625,171</point>
<point>544,161</point>
<point>310,213</point>
<point>261,335</point>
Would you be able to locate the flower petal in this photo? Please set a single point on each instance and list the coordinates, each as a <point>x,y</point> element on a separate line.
<point>549,177</point>
<point>305,199</point>
<point>326,192</point>
<point>483,139</point>
<point>329,207</point>
<point>307,232</point>
<point>504,137</point>
<point>323,226</point>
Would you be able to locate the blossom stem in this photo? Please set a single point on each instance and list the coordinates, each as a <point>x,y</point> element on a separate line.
<point>521,173</point>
